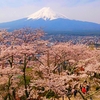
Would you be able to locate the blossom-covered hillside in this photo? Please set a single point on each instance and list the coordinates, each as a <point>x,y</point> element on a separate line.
<point>34,69</point>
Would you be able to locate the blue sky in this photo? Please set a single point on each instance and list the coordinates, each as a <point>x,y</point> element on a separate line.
<point>85,10</point>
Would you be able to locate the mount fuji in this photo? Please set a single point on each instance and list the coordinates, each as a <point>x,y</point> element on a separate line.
<point>47,14</point>
<point>50,21</point>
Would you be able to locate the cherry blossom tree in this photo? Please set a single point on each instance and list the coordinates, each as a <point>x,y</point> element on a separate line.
<point>36,69</point>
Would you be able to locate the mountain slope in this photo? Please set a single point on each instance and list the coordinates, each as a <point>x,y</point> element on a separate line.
<point>50,21</point>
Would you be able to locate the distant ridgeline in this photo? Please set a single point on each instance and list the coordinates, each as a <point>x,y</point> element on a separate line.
<point>75,33</point>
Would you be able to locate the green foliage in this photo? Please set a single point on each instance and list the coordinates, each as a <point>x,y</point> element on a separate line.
<point>64,65</point>
<point>28,69</point>
<point>48,94</point>
<point>39,74</point>
<point>23,97</point>
<point>22,80</point>
<point>97,87</point>
<point>97,75</point>
<point>51,94</point>
<point>41,88</point>
<point>2,87</point>
<point>43,93</point>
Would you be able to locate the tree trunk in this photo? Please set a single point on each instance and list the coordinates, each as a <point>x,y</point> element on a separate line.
<point>24,75</point>
<point>63,98</point>
<point>82,96</point>
<point>68,98</point>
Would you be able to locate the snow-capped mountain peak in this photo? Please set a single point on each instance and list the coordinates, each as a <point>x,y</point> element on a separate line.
<point>46,13</point>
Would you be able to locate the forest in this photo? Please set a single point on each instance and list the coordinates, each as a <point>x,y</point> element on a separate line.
<point>35,69</point>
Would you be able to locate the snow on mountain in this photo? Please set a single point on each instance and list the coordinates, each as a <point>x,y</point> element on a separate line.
<point>46,13</point>
<point>52,22</point>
